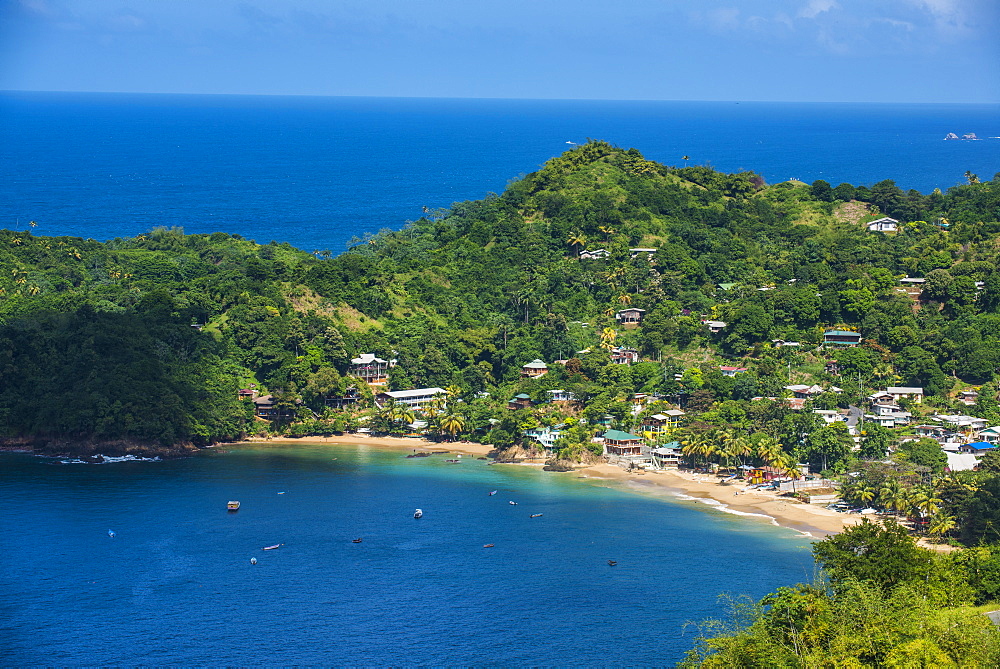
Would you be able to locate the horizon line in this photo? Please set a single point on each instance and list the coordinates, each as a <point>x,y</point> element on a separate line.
<point>497,98</point>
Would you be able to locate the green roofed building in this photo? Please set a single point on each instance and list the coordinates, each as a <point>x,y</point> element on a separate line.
<point>617,442</point>
<point>841,338</point>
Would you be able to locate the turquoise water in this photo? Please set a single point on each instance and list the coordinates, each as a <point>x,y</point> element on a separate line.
<point>317,171</point>
<point>175,585</point>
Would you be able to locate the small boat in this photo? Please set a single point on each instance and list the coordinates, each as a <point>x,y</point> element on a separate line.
<point>493,493</point>
<point>111,533</point>
<point>536,515</point>
<point>253,560</point>
<point>612,563</point>
<point>356,541</point>
<point>512,503</point>
<point>233,505</point>
<point>282,492</point>
<point>271,548</point>
<point>487,545</point>
<point>418,513</point>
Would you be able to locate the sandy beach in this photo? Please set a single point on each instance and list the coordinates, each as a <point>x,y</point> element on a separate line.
<point>755,506</point>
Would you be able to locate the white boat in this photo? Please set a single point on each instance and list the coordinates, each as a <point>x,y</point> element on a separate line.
<point>418,513</point>
<point>512,503</point>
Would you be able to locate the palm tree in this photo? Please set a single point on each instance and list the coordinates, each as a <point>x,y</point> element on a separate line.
<point>940,525</point>
<point>972,178</point>
<point>686,159</point>
<point>625,298</point>
<point>577,239</point>
<point>608,336</point>
<point>770,451</point>
<point>451,423</point>
<point>403,415</point>
<point>693,446</point>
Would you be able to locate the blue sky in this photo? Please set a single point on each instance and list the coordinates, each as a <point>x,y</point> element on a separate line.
<point>795,50</point>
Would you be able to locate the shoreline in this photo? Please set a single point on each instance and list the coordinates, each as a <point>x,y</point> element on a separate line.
<point>812,521</point>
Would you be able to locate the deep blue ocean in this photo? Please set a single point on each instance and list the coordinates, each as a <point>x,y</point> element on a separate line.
<point>317,171</point>
<point>175,586</point>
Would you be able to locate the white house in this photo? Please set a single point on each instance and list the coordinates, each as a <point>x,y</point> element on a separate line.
<point>830,415</point>
<point>560,395</point>
<point>991,434</point>
<point>546,436</point>
<point>415,399</point>
<point>884,224</point>
<point>899,392</point>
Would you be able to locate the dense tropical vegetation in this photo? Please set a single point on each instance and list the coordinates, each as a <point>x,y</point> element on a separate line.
<point>881,601</point>
<point>97,340</point>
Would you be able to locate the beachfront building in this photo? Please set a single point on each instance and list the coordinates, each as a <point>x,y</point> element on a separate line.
<point>371,369</point>
<point>841,338</point>
<point>546,436</point>
<point>415,399</point>
<point>884,224</point>
<point>622,444</point>
<point>667,455</point>
<point>350,397</point>
<point>534,369</point>
<point>266,407</point>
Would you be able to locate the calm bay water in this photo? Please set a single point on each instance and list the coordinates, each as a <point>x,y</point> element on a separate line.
<point>175,586</point>
<point>317,171</point>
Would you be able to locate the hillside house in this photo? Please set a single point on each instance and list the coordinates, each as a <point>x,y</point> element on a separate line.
<point>594,254</point>
<point>899,392</point>
<point>415,399</point>
<point>624,356</point>
<point>968,397</point>
<point>630,317</point>
<point>830,415</point>
<point>841,338</point>
<point>977,447</point>
<point>884,224</point>
<point>560,396</point>
<point>715,327</point>
<point>371,369</point>
<point>534,369</point>
<point>911,286</point>
<point>961,423</point>
<point>350,397</point>
<point>935,432</point>
<point>804,391</point>
<point>991,434</point>
<point>636,252</point>
<point>732,371</point>
<point>246,394</point>
<point>520,401</point>
<point>663,422</point>
<point>622,444</point>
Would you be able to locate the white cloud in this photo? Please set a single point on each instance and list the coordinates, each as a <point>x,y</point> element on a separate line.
<point>817,7</point>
